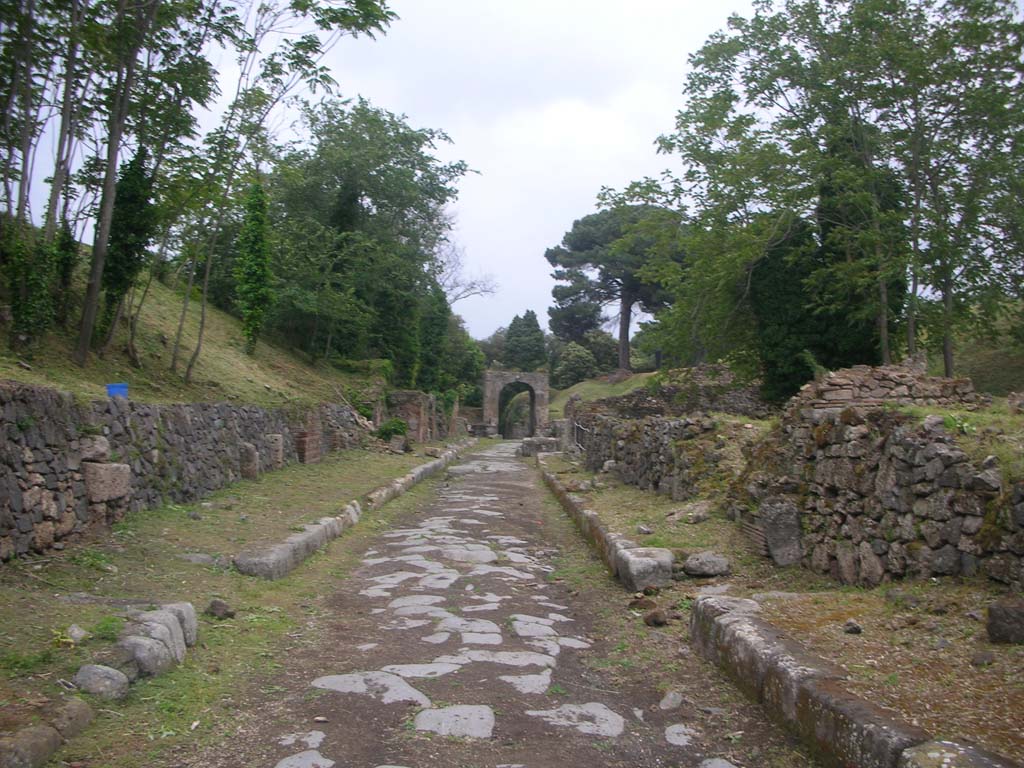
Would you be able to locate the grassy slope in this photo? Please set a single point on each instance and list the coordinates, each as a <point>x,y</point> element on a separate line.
<point>593,389</point>
<point>273,376</point>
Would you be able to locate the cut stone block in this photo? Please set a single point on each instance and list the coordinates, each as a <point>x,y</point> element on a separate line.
<point>106,482</point>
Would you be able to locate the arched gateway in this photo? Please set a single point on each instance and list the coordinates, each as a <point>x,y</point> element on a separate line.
<point>495,382</point>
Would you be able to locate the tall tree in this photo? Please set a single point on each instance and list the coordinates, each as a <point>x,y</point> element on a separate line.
<point>524,343</point>
<point>601,259</point>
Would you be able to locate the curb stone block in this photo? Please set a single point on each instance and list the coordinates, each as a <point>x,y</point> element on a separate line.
<point>73,718</point>
<point>946,754</point>
<point>845,729</point>
<point>279,560</point>
<point>29,747</point>
<point>634,566</point>
<point>804,693</point>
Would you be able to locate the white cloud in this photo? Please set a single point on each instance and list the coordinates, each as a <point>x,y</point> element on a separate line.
<point>548,99</point>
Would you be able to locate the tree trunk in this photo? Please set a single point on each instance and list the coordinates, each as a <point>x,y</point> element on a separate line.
<point>912,313</point>
<point>883,321</point>
<point>65,132</point>
<point>184,313</point>
<point>947,326</point>
<point>118,118</point>
<point>625,315</point>
<point>202,318</point>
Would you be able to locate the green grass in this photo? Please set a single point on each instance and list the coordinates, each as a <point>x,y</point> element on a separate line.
<point>593,389</point>
<point>272,376</point>
<point>142,561</point>
<point>986,432</point>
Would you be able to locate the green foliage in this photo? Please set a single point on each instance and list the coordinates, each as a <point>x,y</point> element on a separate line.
<point>253,293</point>
<point>390,428</point>
<point>575,364</point>
<point>66,261</point>
<point>29,265</point>
<point>132,227</point>
<point>108,628</point>
<point>889,124</point>
<point>524,343</point>
<point>359,217</point>
<point>601,260</point>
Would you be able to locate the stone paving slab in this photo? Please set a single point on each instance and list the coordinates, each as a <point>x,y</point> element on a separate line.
<point>451,646</point>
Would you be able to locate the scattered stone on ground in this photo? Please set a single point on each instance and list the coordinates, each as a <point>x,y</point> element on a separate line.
<point>851,627</point>
<point>1006,620</point>
<point>706,565</point>
<point>219,609</point>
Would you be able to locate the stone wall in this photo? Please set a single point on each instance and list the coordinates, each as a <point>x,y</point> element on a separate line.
<point>421,412</point>
<point>680,392</point>
<point>67,467</point>
<point>867,386</point>
<point>844,486</point>
<point>645,452</point>
<point>867,495</point>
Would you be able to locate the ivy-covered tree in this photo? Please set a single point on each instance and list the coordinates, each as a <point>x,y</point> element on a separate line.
<point>253,291</point>
<point>132,227</point>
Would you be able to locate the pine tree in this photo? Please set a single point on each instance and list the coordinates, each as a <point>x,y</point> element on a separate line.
<point>524,343</point>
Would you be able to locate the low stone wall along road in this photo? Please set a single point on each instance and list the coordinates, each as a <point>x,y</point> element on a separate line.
<point>451,646</point>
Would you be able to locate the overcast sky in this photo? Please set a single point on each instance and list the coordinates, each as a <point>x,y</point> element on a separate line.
<point>548,100</point>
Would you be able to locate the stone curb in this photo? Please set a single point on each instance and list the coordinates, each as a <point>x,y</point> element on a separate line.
<point>635,566</point>
<point>804,693</point>
<point>279,560</point>
<point>170,629</point>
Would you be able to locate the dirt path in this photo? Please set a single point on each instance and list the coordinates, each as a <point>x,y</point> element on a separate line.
<point>452,646</point>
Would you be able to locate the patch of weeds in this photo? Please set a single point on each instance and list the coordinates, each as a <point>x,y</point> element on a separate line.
<point>15,663</point>
<point>91,558</point>
<point>556,690</point>
<point>893,679</point>
<point>108,628</point>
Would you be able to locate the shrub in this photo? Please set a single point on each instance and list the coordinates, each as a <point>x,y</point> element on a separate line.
<point>390,428</point>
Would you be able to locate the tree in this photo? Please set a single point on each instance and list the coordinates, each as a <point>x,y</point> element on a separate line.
<point>253,293</point>
<point>132,226</point>
<point>524,343</point>
<point>895,123</point>
<point>575,364</point>
<point>601,259</point>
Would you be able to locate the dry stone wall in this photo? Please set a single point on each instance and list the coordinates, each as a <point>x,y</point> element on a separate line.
<point>644,452</point>
<point>869,495</point>
<point>67,467</point>
<point>844,486</point>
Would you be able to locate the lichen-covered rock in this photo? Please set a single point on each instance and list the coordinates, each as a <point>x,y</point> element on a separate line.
<point>706,564</point>
<point>105,682</point>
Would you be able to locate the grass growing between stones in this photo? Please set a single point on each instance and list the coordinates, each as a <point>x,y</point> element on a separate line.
<point>915,653</point>
<point>637,657</point>
<point>87,583</point>
<point>993,431</point>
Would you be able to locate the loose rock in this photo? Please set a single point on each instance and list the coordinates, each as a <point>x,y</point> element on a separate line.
<point>1006,620</point>
<point>105,682</point>
<point>706,564</point>
<point>219,609</point>
<point>851,627</point>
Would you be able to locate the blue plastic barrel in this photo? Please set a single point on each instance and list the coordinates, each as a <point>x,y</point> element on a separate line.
<point>117,390</point>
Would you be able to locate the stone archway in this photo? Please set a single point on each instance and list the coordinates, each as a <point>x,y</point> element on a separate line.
<point>496,381</point>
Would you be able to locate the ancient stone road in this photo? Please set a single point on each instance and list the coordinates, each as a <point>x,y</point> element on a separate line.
<point>459,652</point>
